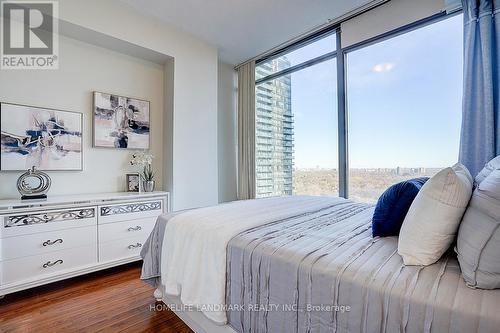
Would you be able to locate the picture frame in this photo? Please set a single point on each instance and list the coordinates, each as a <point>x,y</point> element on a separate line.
<point>133,182</point>
<point>120,122</point>
<point>48,139</point>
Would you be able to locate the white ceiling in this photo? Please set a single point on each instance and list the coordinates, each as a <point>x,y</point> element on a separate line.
<point>242,29</point>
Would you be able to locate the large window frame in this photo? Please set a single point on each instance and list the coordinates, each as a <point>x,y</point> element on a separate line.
<point>341,54</point>
<point>295,46</point>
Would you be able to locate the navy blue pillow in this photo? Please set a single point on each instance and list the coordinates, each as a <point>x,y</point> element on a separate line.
<point>393,205</point>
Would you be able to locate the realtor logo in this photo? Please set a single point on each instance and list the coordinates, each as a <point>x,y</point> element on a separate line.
<point>29,35</point>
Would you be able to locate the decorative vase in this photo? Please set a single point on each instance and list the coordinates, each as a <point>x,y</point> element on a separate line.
<point>148,185</point>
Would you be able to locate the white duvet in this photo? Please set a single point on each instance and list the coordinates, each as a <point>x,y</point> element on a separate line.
<point>193,264</point>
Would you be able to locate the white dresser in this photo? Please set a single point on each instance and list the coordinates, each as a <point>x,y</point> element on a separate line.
<point>50,240</point>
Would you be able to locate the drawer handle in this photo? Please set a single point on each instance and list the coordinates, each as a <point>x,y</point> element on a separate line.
<point>50,264</point>
<point>131,246</point>
<point>49,242</point>
<point>137,228</point>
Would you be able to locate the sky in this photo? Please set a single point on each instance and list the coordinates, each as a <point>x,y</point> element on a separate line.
<point>403,99</point>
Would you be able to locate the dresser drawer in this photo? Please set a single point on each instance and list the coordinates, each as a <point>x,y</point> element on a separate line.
<point>57,262</point>
<point>130,211</point>
<point>121,248</point>
<point>40,243</point>
<point>127,229</point>
<point>19,224</point>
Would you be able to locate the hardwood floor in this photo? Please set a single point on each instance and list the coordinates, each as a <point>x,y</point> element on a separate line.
<point>113,300</point>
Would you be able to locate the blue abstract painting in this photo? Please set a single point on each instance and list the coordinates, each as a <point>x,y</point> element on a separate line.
<point>45,138</point>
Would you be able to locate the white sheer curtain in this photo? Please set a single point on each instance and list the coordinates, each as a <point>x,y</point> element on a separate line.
<point>246,131</point>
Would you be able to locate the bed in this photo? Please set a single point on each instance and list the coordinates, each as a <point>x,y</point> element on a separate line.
<point>303,264</point>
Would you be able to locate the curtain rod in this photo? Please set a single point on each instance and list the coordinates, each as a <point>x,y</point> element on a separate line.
<point>328,24</point>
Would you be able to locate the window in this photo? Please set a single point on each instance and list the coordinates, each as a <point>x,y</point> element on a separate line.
<point>402,103</point>
<point>296,123</point>
<point>314,103</point>
<point>404,107</point>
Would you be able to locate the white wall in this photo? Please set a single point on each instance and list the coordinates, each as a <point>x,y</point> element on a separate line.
<point>83,69</point>
<point>194,138</point>
<point>387,17</point>
<point>194,145</point>
<point>227,132</point>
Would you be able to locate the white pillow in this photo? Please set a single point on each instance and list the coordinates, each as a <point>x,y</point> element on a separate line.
<point>433,219</point>
<point>478,241</point>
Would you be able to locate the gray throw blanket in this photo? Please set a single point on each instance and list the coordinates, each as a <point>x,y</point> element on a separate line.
<point>151,251</point>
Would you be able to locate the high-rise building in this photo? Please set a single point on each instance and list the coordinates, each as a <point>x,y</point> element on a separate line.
<point>274,131</point>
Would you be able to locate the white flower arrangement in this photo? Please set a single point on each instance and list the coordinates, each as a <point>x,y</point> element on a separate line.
<point>142,158</point>
<point>145,160</point>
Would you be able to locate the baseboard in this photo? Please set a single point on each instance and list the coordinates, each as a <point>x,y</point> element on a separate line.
<point>196,320</point>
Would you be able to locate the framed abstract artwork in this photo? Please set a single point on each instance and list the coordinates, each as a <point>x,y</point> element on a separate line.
<point>47,139</point>
<point>120,122</point>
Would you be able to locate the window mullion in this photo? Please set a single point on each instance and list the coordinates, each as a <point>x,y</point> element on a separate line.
<point>342,120</point>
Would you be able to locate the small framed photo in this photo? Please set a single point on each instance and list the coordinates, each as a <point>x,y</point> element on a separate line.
<point>133,182</point>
